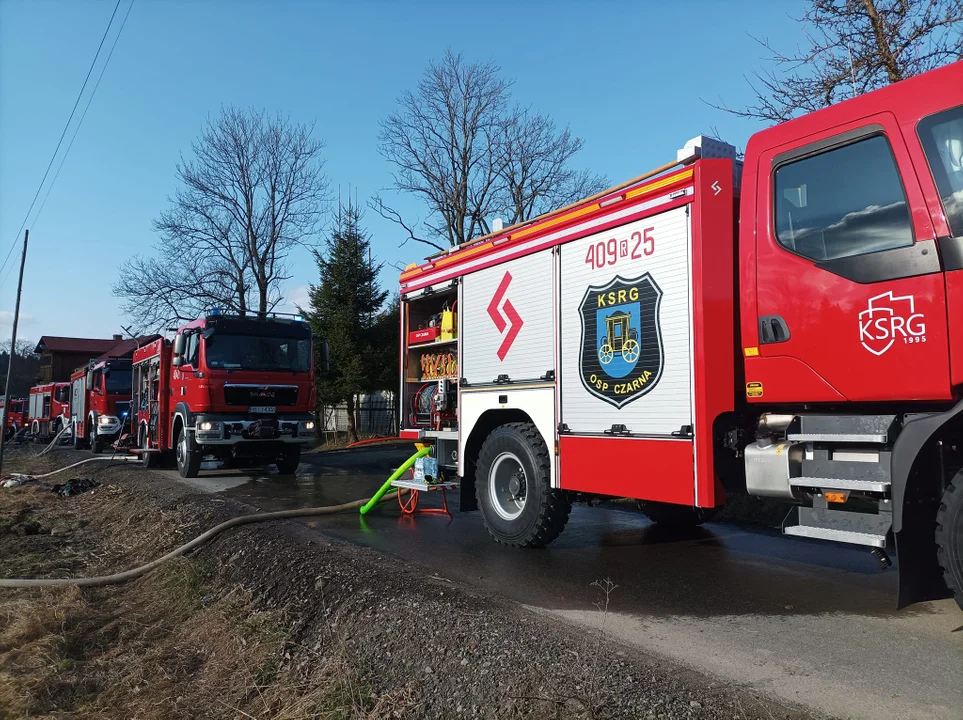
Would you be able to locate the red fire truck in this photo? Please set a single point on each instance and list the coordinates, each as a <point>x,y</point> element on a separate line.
<point>48,410</point>
<point>790,325</point>
<point>14,411</point>
<point>100,403</point>
<point>239,390</point>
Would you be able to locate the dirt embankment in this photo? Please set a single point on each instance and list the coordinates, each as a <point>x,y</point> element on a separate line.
<point>276,621</point>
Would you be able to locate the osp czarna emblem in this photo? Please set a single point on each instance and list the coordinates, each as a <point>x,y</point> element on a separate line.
<point>621,357</point>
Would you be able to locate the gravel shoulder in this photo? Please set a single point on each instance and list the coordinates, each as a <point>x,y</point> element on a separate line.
<point>275,620</point>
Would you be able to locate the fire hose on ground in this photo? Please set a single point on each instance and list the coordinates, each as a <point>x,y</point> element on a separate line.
<point>363,505</point>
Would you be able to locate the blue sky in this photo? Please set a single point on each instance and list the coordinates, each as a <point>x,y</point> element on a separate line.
<point>626,76</point>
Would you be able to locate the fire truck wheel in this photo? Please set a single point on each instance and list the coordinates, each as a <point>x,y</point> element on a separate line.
<point>148,459</point>
<point>36,433</point>
<point>679,516</point>
<point>288,460</point>
<point>188,458</point>
<point>949,537</point>
<point>513,488</point>
<point>96,442</point>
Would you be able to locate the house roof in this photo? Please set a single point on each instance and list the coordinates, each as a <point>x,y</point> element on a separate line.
<point>93,347</point>
<point>86,346</point>
<point>125,348</point>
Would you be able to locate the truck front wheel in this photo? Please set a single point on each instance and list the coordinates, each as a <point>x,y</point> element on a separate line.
<point>188,458</point>
<point>288,460</point>
<point>513,488</point>
<point>949,537</point>
<point>96,441</point>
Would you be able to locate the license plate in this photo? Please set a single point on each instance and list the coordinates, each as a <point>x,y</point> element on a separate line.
<point>264,409</point>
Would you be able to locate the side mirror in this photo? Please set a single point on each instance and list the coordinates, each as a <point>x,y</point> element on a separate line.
<point>90,381</point>
<point>177,361</point>
<point>179,342</point>
<point>325,364</point>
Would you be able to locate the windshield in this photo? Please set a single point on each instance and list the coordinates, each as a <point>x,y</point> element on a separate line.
<point>247,352</point>
<point>118,381</point>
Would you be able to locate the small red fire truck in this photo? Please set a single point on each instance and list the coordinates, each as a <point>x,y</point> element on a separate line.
<point>239,390</point>
<point>790,325</point>
<point>48,410</point>
<point>100,403</point>
<point>14,411</point>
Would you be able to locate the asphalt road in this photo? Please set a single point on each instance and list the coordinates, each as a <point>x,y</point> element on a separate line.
<point>804,621</point>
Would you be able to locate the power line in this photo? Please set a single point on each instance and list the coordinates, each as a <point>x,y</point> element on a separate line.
<point>90,99</point>
<point>62,135</point>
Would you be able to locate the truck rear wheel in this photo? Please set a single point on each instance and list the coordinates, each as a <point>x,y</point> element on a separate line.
<point>288,460</point>
<point>678,516</point>
<point>148,459</point>
<point>949,537</point>
<point>188,457</point>
<point>513,488</point>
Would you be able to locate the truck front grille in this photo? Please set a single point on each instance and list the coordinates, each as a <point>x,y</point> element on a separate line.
<point>247,395</point>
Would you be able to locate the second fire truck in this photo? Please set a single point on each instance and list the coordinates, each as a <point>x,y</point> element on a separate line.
<point>237,390</point>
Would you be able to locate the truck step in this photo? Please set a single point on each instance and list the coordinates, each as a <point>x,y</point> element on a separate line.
<point>879,429</point>
<point>843,536</point>
<point>825,483</point>
<point>859,528</point>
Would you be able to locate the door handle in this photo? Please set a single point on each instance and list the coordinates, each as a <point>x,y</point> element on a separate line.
<point>773,329</point>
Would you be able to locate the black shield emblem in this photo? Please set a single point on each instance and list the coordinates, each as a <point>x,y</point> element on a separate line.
<point>621,357</point>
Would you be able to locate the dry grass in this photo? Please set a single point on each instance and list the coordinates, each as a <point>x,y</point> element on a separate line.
<point>175,644</point>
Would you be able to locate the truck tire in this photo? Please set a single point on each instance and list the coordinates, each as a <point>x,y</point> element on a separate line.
<point>148,459</point>
<point>677,516</point>
<point>288,460</point>
<point>949,537</point>
<point>513,488</point>
<point>35,430</point>
<point>96,441</point>
<point>188,457</point>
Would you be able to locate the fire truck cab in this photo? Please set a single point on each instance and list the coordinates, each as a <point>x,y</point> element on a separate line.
<point>100,403</point>
<point>788,325</point>
<point>14,412</point>
<point>238,390</point>
<point>48,410</point>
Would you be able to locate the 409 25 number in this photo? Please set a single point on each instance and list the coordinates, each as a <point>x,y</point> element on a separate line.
<point>605,253</point>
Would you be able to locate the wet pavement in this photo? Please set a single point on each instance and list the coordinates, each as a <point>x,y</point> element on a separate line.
<point>806,621</point>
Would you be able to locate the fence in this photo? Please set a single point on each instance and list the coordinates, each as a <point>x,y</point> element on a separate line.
<point>375,414</point>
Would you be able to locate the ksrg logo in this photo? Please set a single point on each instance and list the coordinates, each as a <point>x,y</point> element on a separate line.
<point>888,319</point>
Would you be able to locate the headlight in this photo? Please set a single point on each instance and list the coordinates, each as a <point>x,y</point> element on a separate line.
<point>207,426</point>
<point>309,425</point>
<point>105,420</point>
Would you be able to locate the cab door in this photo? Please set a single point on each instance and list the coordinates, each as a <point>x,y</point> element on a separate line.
<point>850,295</point>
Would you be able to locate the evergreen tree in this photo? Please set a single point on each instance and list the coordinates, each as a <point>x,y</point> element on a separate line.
<point>347,310</point>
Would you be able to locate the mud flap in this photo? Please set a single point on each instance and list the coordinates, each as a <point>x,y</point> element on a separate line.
<point>914,512</point>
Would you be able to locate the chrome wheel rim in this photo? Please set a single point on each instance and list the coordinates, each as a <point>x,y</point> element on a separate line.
<point>507,486</point>
<point>182,449</point>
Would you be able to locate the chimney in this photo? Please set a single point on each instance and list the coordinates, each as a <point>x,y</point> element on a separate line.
<point>118,338</point>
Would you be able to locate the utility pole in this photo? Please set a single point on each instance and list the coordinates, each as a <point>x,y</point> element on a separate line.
<point>13,349</point>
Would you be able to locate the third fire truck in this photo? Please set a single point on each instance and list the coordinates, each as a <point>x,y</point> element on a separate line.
<point>100,403</point>
<point>790,325</point>
<point>237,390</point>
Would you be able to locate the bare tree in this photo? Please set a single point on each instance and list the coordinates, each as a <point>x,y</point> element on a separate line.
<point>854,46</point>
<point>444,142</point>
<point>254,189</point>
<point>459,145</point>
<point>535,174</point>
